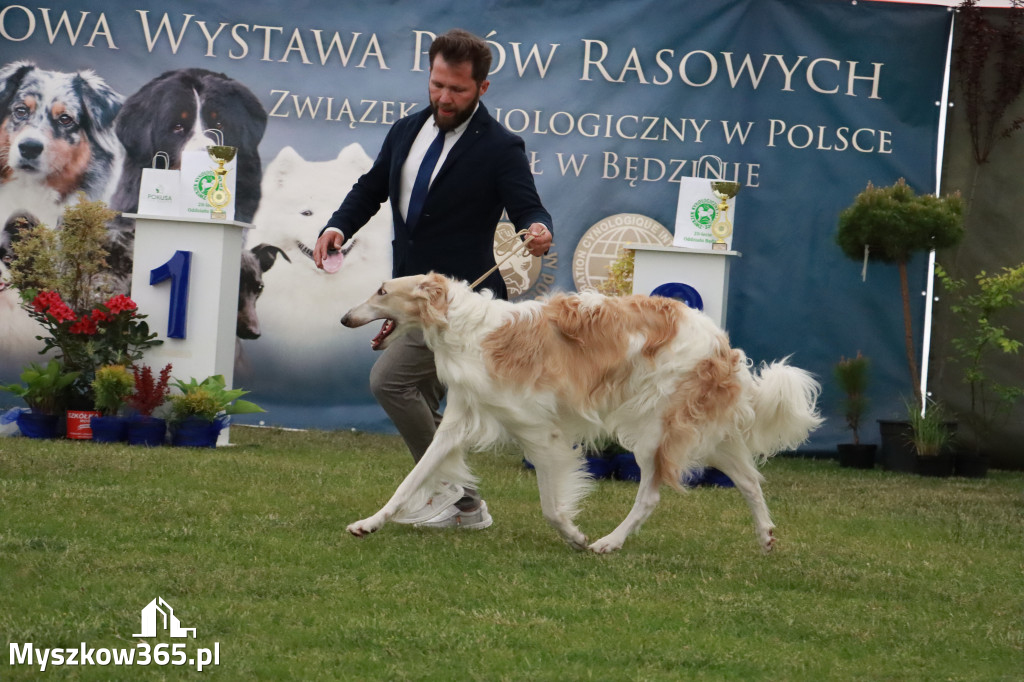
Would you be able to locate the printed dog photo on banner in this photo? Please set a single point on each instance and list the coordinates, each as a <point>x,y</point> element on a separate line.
<point>57,142</point>
<point>56,139</point>
<point>66,135</point>
<point>174,113</point>
<point>301,305</point>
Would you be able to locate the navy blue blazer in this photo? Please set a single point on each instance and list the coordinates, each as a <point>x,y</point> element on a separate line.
<point>485,171</point>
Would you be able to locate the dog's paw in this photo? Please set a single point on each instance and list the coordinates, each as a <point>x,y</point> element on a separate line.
<point>361,529</point>
<point>605,545</point>
<point>768,542</point>
<point>578,542</point>
<point>573,537</point>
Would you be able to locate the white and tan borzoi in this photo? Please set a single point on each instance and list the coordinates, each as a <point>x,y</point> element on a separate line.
<point>650,372</point>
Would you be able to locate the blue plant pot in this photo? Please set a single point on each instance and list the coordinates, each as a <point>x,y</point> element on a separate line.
<point>109,429</point>
<point>149,431</point>
<point>600,467</point>
<point>196,433</point>
<point>38,425</point>
<point>626,468</point>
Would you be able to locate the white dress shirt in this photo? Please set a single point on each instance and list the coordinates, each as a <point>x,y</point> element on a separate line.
<point>418,150</point>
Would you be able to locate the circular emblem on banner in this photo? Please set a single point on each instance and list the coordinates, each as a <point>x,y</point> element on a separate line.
<point>703,212</point>
<point>521,270</point>
<point>204,181</point>
<point>601,244</point>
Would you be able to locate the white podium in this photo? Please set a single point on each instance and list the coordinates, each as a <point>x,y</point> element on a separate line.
<point>705,270</point>
<point>185,279</point>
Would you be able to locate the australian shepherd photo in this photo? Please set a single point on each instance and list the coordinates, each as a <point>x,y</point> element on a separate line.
<point>56,139</point>
<point>655,375</point>
<point>173,112</point>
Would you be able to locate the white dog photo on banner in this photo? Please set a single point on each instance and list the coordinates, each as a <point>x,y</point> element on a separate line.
<point>301,305</point>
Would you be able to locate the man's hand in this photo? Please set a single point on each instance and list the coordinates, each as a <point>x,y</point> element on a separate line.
<point>330,240</point>
<point>541,241</point>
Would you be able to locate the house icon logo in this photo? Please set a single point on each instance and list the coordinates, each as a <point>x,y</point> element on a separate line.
<point>158,611</point>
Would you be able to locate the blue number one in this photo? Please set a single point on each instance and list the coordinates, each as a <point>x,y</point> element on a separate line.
<point>177,270</point>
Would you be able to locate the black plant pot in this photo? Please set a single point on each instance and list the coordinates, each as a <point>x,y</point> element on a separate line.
<point>897,451</point>
<point>857,456</point>
<point>970,464</point>
<point>940,466</point>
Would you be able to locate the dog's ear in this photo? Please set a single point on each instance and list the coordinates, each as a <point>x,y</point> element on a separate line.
<point>11,76</point>
<point>267,254</point>
<point>433,294</point>
<point>141,114</point>
<point>133,127</point>
<point>100,102</point>
<point>283,165</point>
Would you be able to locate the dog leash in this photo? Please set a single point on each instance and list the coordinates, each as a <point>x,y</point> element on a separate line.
<point>513,252</point>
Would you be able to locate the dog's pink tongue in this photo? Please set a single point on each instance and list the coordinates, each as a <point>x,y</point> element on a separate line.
<point>385,329</point>
<point>333,261</point>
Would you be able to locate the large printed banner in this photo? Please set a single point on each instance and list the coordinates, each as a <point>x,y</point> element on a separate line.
<point>802,101</point>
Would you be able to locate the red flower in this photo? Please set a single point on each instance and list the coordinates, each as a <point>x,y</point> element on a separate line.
<point>120,303</point>
<point>44,299</point>
<point>83,326</point>
<point>99,316</point>
<point>60,312</point>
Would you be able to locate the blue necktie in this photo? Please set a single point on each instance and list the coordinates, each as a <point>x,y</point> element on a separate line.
<point>419,188</point>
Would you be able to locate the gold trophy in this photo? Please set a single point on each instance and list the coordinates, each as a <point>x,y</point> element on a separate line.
<point>722,227</point>
<point>219,196</point>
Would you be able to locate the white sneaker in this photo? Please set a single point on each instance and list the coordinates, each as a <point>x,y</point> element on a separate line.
<point>439,502</point>
<point>453,517</point>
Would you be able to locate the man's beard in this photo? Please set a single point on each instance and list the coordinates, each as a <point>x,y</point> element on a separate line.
<point>460,117</point>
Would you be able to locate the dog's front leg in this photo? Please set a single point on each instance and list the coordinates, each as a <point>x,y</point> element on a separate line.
<point>561,484</point>
<point>647,497</point>
<point>445,440</point>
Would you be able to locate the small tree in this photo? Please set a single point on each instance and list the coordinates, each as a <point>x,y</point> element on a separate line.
<point>983,310</point>
<point>70,260</point>
<point>149,393</point>
<point>892,224</point>
<point>989,65</point>
<point>112,386</point>
<point>620,275</point>
<point>852,376</point>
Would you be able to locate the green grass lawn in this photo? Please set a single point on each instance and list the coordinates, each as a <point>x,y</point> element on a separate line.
<point>877,576</point>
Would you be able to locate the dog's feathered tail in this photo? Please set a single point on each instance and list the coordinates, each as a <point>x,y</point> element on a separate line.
<point>784,400</point>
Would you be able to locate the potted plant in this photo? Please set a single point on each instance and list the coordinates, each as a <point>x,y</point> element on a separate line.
<point>149,393</point>
<point>982,311</point>
<point>852,376</point>
<point>112,387</point>
<point>45,391</point>
<point>892,224</point>
<point>202,409</point>
<point>65,285</point>
<point>931,436</point>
